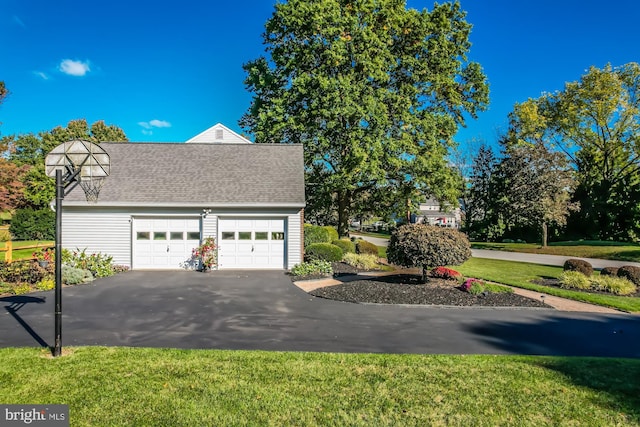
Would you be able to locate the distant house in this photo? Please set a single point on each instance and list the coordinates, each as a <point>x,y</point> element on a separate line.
<point>431,213</point>
<point>161,200</point>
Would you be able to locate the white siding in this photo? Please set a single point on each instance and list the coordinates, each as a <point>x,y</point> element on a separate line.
<point>294,239</point>
<point>108,232</point>
<point>209,227</point>
<point>218,134</point>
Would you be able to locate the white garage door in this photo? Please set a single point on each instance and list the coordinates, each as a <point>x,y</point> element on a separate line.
<point>251,243</point>
<point>161,243</point>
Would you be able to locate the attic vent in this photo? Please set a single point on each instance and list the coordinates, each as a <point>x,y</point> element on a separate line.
<point>219,134</point>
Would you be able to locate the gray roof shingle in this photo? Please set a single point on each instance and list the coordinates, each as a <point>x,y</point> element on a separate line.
<point>201,174</point>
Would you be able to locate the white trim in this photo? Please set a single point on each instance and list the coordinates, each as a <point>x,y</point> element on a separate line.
<point>183,205</point>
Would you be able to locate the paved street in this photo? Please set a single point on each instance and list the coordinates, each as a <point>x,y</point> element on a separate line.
<point>264,310</point>
<point>521,257</point>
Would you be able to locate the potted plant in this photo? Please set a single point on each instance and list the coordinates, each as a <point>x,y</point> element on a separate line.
<point>207,253</point>
<point>44,256</point>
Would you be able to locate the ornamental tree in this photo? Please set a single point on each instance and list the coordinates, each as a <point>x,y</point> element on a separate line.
<point>426,246</point>
<point>374,91</point>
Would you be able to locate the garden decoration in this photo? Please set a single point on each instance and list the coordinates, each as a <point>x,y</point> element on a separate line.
<point>73,163</point>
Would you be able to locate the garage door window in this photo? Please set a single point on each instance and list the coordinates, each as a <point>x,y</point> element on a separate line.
<point>143,235</point>
<point>228,235</point>
<point>193,235</point>
<point>160,235</point>
<point>176,235</point>
<point>244,235</point>
<point>262,235</point>
<point>276,235</point>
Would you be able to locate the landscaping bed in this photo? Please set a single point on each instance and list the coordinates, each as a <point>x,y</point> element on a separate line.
<point>407,289</point>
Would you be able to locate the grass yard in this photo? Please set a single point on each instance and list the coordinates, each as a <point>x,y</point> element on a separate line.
<point>584,249</point>
<point>164,387</point>
<point>520,274</point>
<point>19,253</point>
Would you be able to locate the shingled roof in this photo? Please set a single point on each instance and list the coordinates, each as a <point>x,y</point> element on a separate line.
<point>158,174</point>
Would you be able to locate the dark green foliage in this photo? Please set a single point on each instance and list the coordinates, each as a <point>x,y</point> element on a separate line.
<point>315,234</point>
<point>419,245</point>
<point>25,271</point>
<point>579,265</point>
<point>630,273</point>
<point>364,247</point>
<point>609,271</point>
<point>30,224</point>
<point>346,245</point>
<point>324,252</point>
<point>333,233</point>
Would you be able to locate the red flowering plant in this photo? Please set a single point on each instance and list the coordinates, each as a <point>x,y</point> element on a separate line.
<point>207,253</point>
<point>473,286</point>
<point>445,273</point>
<point>44,254</point>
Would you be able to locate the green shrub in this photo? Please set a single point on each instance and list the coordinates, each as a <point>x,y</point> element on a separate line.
<point>333,233</point>
<point>315,234</point>
<point>313,267</point>
<point>364,247</point>
<point>614,285</point>
<point>346,245</point>
<point>476,288</point>
<point>100,265</point>
<point>362,261</point>
<point>631,273</point>
<point>574,280</point>
<point>574,264</point>
<point>75,276</point>
<point>609,271</point>
<point>323,251</point>
<point>30,224</point>
<point>420,245</point>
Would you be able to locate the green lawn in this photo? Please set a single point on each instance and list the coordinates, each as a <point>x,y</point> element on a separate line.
<point>520,274</point>
<point>165,387</point>
<point>23,253</point>
<point>585,249</point>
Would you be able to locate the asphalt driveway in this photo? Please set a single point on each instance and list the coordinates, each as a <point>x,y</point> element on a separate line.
<point>264,310</point>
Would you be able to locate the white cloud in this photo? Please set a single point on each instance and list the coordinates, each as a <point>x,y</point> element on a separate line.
<point>74,68</point>
<point>42,75</point>
<point>155,123</point>
<point>160,123</point>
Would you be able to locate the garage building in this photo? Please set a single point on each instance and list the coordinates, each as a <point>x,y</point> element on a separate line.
<point>161,200</point>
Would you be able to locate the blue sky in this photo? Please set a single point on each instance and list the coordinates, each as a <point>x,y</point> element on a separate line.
<point>164,71</point>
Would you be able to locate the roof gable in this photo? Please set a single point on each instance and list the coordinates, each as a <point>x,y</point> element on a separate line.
<point>218,134</point>
<point>201,174</point>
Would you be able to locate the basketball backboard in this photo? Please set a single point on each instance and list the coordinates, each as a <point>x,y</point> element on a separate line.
<point>81,161</point>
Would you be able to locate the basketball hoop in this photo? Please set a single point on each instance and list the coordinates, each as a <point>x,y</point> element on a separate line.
<point>80,162</point>
<point>91,187</point>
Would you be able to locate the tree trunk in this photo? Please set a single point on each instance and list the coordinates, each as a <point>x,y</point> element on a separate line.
<point>425,269</point>
<point>343,214</point>
<point>545,234</point>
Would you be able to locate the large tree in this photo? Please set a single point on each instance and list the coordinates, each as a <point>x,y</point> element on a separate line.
<point>374,91</point>
<point>481,220</point>
<point>533,187</point>
<point>595,123</point>
<point>28,151</point>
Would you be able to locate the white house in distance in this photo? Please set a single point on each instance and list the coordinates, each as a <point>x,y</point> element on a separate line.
<point>432,214</point>
<point>161,200</point>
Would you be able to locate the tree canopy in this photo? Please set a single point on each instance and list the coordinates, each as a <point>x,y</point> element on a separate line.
<point>374,91</point>
<point>595,123</point>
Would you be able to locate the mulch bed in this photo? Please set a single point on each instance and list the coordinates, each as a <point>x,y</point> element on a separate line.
<point>408,289</point>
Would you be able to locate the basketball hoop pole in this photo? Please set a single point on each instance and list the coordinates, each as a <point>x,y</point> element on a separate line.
<point>57,349</point>
<point>77,159</point>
